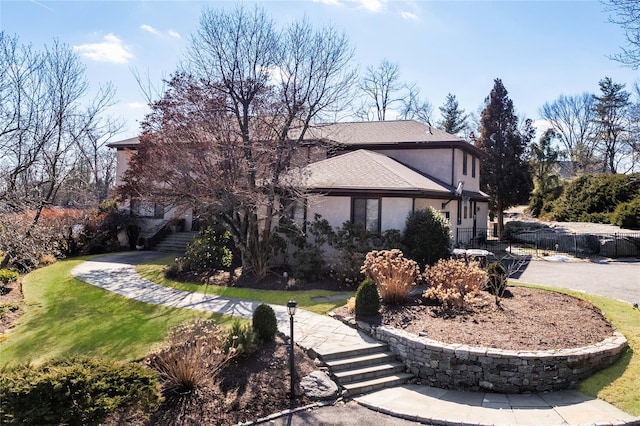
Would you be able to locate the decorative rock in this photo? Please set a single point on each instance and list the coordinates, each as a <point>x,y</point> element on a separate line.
<point>318,385</point>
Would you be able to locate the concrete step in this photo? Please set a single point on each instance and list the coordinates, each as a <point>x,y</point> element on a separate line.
<point>176,242</point>
<point>362,361</point>
<point>352,353</point>
<point>368,373</point>
<point>371,385</point>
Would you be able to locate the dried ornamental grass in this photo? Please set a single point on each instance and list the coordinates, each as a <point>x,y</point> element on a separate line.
<point>454,283</point>
<point>393,273</point>
<point>194,355</point>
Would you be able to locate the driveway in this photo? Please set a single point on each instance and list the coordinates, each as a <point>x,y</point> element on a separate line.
<point>618,280</point>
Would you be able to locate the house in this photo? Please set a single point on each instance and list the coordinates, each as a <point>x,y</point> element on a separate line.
<point>374,173</point>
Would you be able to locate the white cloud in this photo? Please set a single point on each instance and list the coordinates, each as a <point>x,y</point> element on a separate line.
<point>137,105</point>
<point>110,50</point>
<point>149,29</point>
<point>409,16</point>
<point>174,34</point>
<point>370,5</point>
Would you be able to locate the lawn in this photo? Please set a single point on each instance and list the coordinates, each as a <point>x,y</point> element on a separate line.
<point>66,317</point>
<point>311,300</point>
<point>620,383</point>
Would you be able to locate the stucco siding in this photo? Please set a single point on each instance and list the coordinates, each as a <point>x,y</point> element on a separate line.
<point>336,210</point>
<point>435,162</point>
<point>394,212</point>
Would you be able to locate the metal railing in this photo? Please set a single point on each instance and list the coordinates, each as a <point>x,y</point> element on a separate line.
<point>544,243</point>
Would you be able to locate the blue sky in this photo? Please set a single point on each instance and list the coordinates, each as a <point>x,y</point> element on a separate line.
<point>540,49</point>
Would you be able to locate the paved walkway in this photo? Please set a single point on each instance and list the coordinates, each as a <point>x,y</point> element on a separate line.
<point>116,273</point>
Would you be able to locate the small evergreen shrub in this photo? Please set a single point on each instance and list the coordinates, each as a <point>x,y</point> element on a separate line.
<point>426,236</point>
<point>193,355</point>
<point>241,339</point>
<point>8,276</point>
<point>454,283</point>
<point>393,273</point>
<point>78,391</point>
<point>211,250</point>
<point>265,323</point>
<point>367,298</point>
<point>496,279</point>
<point>627,215</point>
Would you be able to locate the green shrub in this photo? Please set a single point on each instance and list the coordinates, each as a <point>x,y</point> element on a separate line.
<point>426,236</point>
<point>264,322</point>
<point>627,215</point>
<point>496,279</point>
<point>241,339</point>
<point>79,391</point>
<point>594,198</point>
<point>193,355</point>
<point>367,298</point>
<point>7,276</point>
<point>212,249</point>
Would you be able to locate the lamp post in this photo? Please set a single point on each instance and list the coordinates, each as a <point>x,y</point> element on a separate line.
<point>291,309</point>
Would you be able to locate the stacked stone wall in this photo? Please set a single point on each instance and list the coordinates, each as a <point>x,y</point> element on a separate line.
<point>473,368</point>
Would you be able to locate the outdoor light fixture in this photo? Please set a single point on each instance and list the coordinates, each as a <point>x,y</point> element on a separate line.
<point>291,309</point>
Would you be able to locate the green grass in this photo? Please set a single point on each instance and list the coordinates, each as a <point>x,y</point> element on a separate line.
<point>66,317</point>
<point>153,271</point>
<point>618,384</point>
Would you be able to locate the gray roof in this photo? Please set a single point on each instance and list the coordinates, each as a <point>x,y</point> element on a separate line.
<point>126,143</point>
<point>364,170</point>
<point>380,132</point>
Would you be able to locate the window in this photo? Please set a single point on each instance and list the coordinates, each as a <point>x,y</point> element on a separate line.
<point>466,214</point>
<point>464,163</point>
<point>142,208</point>
<point>459,213</point>
<point>366,211</point>
<point>473,166</point>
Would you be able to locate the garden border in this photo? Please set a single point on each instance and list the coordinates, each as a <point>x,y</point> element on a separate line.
<point>471,368</point>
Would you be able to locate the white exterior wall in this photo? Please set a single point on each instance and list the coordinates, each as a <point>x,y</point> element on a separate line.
<point>394,212</point>
<point>435,162</point>
<point>336,210</point>
<point>122,164</point>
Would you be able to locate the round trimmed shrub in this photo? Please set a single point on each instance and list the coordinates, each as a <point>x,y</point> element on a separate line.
<point>367,298</point>
<point>627,215</point>
<point>496,279</point>
<point>426,237</point>
<point>264,322</point>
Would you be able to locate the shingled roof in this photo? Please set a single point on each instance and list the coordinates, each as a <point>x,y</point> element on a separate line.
<point>364,170</point>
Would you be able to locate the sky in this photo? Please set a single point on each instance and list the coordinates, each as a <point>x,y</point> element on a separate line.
<point>539,49</point>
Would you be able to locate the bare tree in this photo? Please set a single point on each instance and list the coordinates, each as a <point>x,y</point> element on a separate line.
<point>573,119</point>
<point>235,117</point>
<point>44,122</point>
<point>415,108</point>
<point>382,88</point>
<point>626,13</point>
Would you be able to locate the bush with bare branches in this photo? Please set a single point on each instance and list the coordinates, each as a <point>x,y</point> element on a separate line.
<point>454,283</point>
<point>393,273</point>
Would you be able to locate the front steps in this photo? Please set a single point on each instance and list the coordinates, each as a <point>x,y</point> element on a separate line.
<point>176,242</point>
<point>366,370</point>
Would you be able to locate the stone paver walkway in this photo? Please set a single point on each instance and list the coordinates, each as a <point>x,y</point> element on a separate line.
<point>116,273</point>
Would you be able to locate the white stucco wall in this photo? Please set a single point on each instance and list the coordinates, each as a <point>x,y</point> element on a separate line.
<point>435,162</point>
<point>394,212</point>
<point>122,164</point>
<point>336,210</point>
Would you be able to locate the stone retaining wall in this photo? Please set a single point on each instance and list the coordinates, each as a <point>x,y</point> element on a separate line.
<point>473,368</point>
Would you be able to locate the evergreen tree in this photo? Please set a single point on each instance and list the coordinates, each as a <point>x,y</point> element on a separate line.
<point>504,172</point>
<point>611,108</point>
<point>454,119</point>
<point>544,168</point>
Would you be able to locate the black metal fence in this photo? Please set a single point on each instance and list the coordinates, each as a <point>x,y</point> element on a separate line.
<point>545,243</point>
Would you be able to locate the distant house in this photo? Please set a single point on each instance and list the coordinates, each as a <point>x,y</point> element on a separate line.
<point>374,173</point>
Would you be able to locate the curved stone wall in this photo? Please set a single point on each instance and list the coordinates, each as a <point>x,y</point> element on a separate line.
<point>473,368</point>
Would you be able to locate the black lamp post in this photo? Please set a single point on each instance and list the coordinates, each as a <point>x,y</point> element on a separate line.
<point>291,309</point>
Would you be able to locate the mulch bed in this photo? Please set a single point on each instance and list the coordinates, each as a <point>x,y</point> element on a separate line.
<point>527,319</point>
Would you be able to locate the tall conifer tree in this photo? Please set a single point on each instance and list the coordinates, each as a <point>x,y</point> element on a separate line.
<point>454,119</point>
<point>504,172</point>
